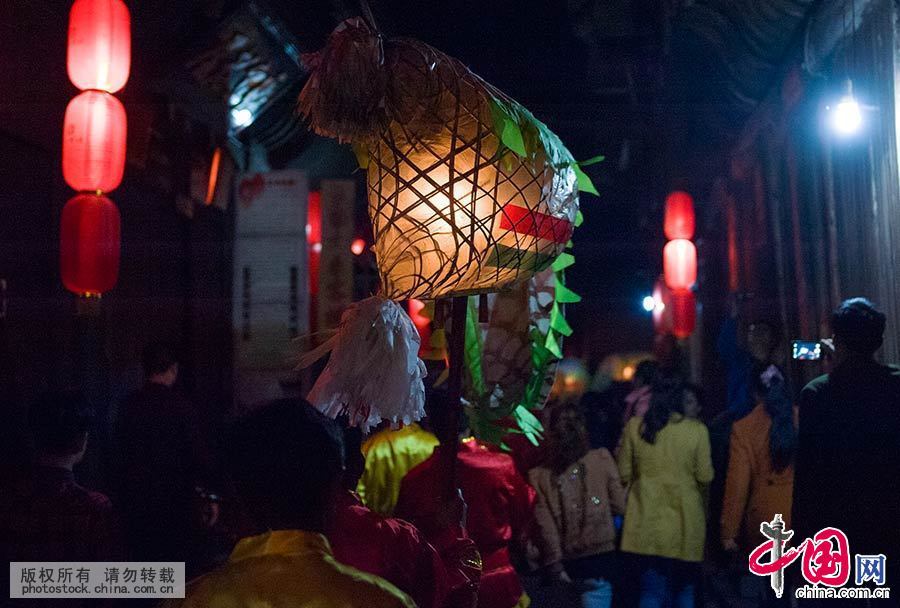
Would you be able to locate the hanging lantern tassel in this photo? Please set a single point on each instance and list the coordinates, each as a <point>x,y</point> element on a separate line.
<point>374,372</point>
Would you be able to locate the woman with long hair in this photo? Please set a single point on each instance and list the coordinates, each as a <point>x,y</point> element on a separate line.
<point>578,492</point>
<point>665,460</point>
<point>760,479</point>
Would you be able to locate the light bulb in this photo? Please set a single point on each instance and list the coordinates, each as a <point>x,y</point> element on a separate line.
<point>846,116</point>
<point>241,117</point>
<point>649,303</point>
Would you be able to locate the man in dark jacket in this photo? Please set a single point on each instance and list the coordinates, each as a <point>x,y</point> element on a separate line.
<point>167,467</point>
<point>848,457</point>
<point>46,516</point>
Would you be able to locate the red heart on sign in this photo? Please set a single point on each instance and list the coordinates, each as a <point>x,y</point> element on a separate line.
<point>250,188</point>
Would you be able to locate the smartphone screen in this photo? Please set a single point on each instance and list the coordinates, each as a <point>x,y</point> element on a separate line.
<point>807,350</point>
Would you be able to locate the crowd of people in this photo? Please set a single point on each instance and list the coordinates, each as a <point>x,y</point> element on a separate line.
<point>632,499</point>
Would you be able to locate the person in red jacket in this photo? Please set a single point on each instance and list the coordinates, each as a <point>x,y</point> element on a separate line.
<point>395,550</point>
<point>500,503</point>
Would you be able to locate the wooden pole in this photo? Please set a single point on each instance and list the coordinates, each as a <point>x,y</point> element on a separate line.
<point>92,375</point>
<point>454,387</point>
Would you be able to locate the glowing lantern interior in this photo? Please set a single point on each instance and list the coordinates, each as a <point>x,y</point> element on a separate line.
<point>451,221</point>
<point>94,138</point>
<point>99,49</point>
<point>680,264</point>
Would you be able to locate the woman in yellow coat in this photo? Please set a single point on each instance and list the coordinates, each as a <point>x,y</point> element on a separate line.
<point>665,460</point>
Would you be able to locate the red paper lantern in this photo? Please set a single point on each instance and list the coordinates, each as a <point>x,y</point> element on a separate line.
<point>99,54</point>
<point>680,264</point>
<point>679,222</point>
<point>314,238</point>
<point>314,218</point>
<point>684,313</point>
<point>94,135</point>
<point>89,244</point>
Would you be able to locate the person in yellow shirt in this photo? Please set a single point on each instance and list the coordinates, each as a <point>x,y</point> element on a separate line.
<point>287,461</point>
<point>390,454</point>
<point>665,460</point>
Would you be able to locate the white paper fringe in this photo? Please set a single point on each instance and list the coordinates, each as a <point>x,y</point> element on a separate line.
<point>374,372</point>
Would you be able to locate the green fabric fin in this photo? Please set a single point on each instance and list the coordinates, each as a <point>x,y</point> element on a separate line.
<point>584,182</point>
<point>564,295</point>
<point>563,261</point>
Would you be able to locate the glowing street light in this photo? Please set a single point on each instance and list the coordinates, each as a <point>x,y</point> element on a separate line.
<point>846,115</point>
<point>649,303</point>
<point>241,117</point>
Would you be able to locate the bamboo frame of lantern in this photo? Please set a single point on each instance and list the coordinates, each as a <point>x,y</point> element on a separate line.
<point>468,192</point>
<point>455,213</point>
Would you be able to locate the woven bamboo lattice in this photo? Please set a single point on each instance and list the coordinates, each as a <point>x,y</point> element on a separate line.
<point>468,192</point>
